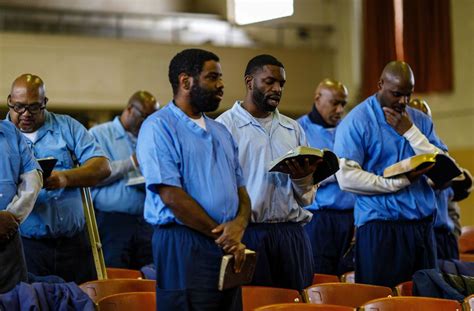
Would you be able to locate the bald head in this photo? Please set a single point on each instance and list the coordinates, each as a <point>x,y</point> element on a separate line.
<point>27,101</point>
<point>396,85</point>
<point>140,105</point>
<point>28,82</point>
<point>398,71</point>
<point>330,98</point>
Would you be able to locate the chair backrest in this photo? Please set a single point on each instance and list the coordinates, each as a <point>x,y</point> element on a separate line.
<point>348,277</point>
<point>466,240</point>
<point>345,294</point>
<point>411,303</point>
<point>319,278</point>
<point>302,307</point>
<point>404,289</point>
<point>137,301</point>
<point>118,273</point>
<point>102,288</point>
<point>258,296</point>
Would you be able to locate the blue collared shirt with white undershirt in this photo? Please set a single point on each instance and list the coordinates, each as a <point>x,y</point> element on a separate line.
<point>273,195</point>
<point>173,150</point>
<point>116,196</point>
<point>364,136</point>
<point>330,196</point>
<point>59,212</point>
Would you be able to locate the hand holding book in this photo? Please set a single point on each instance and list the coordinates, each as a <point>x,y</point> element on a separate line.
<point>324,163</point>
<point>440,168</point>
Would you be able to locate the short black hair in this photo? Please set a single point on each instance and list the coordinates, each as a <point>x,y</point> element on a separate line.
<point>259,61</point>
<point>189,61</point>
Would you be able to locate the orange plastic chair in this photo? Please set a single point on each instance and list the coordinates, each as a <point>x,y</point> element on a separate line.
<point>319,278</point>
<point>348,277</point>
<point>140,301</point>
<point>302,307</point>
<point>258,296</point>
<point>118,273</point>
<point>404,289</point>
<point>344,294</point>
<point>99,289</point>
<point>466,240</point>
<point>411,304</point>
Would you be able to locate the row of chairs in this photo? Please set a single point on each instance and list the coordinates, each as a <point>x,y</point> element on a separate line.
<point>145,301</point>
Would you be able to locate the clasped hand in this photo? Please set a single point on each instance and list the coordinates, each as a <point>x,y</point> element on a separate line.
<point>230,240</point>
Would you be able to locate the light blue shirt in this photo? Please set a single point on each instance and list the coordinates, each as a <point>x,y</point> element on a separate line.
<point>330,196</point>
<point>272,195</point>
<point>365,137</point>
<point>116,196</point>
<point>15,159</point>
<point>59,212</point>
<point>173,150</point>
<point>442,216</point>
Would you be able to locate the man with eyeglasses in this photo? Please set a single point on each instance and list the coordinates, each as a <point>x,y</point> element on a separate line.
<point>54,238</point>
<point>125,235</point>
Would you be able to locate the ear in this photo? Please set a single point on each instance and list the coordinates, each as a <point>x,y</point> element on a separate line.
<point>248,82</point>
<point>185,81</point>
<point>380,84</point>
<point>317,95</point>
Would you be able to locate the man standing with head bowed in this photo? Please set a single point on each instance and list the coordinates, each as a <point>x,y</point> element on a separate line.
<point>394,216</point>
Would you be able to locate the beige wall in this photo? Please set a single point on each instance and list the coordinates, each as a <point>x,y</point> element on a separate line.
<point>103,73</point>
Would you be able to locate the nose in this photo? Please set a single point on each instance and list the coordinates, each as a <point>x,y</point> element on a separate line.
<point>277,88</point>
<point>220,84</point>
<point>405,100</point>
<point>340,109</point>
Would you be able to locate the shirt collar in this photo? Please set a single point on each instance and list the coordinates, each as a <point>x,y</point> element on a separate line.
<point>121,132</point>
<point>243,117</point>
<point>47,126</point>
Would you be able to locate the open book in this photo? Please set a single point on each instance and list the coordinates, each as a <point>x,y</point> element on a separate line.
<point>328,167</point>
<point>444,170</point>
<point>228,278</point>
<point>47,165</point>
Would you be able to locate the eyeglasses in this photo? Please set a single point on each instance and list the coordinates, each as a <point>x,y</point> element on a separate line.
<point>32,108</point>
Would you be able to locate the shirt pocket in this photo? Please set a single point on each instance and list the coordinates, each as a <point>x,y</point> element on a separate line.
<point>9,167</point>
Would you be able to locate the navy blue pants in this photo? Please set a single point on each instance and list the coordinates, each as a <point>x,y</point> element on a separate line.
<point>126,240</point>
<point>284,256</point>
<point>187,271</point>
<point>446,244</point>
<point>390,252</point>
<point>68,258</point>
<point>330,233</point>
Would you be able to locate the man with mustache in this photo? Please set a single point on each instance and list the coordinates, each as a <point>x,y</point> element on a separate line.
<point>125,236</point>
<point>394,216</point>
<point>20,183</point>
<point>332,227</point>
<point>54,236</point>
<point>284,257</point>
<point>195,193</point>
